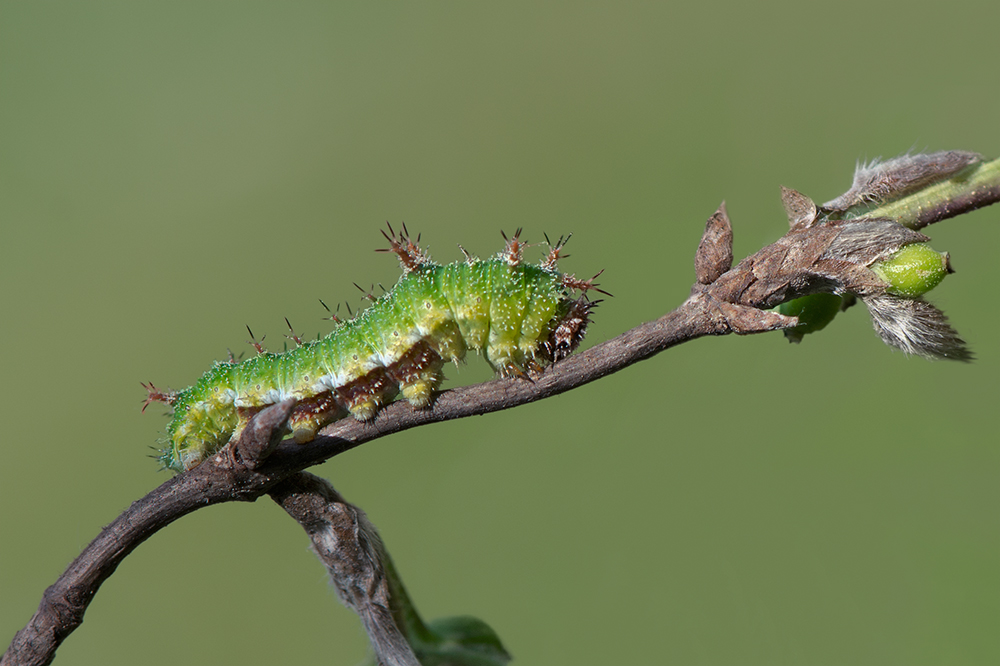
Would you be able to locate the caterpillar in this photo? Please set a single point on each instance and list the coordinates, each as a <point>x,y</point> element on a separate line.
<point>521,317</point>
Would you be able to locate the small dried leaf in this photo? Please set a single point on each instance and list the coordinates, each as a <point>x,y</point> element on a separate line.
<point>743,319</point>
<point>801,210</point>
<point>715,251</point>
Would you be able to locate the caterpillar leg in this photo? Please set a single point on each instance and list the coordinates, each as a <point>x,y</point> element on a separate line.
<point>418,374</point>
<point>312,414</point>
<point>365,396</point>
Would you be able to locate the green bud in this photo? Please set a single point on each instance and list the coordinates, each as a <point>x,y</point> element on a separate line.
<point>913,271</point>
<point>814,311</point>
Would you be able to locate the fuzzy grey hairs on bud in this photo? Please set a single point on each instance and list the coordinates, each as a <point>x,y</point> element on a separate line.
<point>867,240</point>
<point>879,182</point>
<point>916,327</point>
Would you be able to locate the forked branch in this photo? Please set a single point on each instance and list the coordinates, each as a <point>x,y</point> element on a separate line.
<point>829,249</point>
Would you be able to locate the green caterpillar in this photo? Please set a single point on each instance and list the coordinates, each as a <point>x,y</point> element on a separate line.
<point>521,316</point>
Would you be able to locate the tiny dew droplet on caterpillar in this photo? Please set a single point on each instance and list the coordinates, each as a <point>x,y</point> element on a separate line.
<point>521,316</point>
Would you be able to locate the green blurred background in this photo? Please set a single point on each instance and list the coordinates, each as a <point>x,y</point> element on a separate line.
<point>170,172</point>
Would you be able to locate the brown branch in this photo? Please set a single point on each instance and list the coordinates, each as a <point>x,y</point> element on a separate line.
<point>64,603</point>
<point>350,548</point>
<point>826,257</point>
<point>367,582</point>
<point>226,478</point>
<point>918,190</point>
<point>966,202</point>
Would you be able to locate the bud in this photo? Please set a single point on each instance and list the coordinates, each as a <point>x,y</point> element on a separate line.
<point>913,270</point>
<point>879,181</point>
<point>916,327</point>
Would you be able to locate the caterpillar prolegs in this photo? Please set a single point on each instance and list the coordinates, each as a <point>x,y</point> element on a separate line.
<point>521,316</point>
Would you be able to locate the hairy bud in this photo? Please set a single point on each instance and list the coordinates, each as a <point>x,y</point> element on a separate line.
<point>879,182</point>
<point>916,327</point>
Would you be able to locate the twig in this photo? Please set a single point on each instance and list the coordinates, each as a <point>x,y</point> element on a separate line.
<point>222,479</point>
<point>64,603</point>
<point>350,548</point>
<point>362,572</point>
<point>827,256</point>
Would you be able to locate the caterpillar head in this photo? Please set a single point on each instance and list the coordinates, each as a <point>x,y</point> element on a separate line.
<point>569,329</point>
